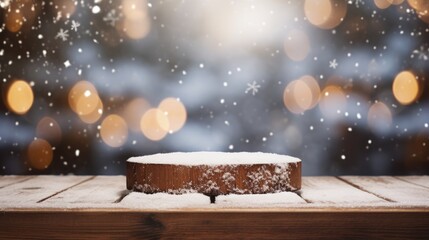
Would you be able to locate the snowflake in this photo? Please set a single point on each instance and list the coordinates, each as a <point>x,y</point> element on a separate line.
<point>74,25</point>
<point>254,87</point>
<point>111,17</point>
<point>333,64</point>
<point>357,3</point>
<point>63,34</point>
<point>422,53</point>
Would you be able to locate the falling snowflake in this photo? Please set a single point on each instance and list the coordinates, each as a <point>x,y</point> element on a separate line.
<point>74,25</point>
<point>422,53</point>
<point>111,17</point>
<point>357,3</point>
<point>333,64</point>
<point>254,87</point>
<point>63,34</point>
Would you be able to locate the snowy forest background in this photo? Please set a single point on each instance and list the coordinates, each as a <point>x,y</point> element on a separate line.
<point>340,84</point>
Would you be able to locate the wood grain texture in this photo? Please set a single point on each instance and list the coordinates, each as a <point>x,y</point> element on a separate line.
<point>391,189</point>
<point>214,225</point>
<point>417,180</point>
<point>37,189</point>
<point>75,217</point>
<point>332,190</point>
<point>10,180</point>
<point>213,179</point>
<point>99,190</point>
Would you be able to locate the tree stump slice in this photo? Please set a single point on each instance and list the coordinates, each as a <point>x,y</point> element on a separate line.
<point>214,173</point>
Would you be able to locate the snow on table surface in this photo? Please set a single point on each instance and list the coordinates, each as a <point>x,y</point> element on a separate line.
<point>332,190</point>
<point>214,158</point>
<point>109,192</point>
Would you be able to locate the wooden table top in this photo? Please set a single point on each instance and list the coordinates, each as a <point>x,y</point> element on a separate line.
<point>353,206</point>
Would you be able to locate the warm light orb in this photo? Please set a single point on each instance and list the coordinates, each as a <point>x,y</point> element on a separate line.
<point>154,123</point>
<point>297,45</point>
<point>289,98</point>
<point>382,4</point>
<point>83,98</point>
<point>40,154</point>
<point>301,94</point>
<point>93,116</point>
<point>379,117</point>
<point>19,97</point>
<point>136,29</point>
<point>419,5</point>
<point>422,9</point>
<point>134,111</point>
<point>317,11</point>
<point>332,101</point>
<point>136,24</point>
<point>314,88</point>
<point>175,112</point>
<point>405,87</point>
<point>14,21</point>
<point>397,2</point>
<point>48,129</point>
<point>325,14</point>
<point>134,9</point>
<point>114,130</point>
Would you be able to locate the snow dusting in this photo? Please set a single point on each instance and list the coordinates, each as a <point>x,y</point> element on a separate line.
<point>214,158</point>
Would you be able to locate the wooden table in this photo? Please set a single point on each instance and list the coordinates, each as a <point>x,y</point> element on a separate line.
<point>349,207</point>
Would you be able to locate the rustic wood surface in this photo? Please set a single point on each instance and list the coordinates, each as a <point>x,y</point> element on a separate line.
<point>346,207</point>
<point>214,179</point>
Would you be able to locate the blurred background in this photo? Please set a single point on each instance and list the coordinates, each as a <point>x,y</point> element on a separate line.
<point>341,84</point>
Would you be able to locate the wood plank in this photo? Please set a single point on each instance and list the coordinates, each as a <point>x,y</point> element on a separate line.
<point>393,189</point>
<point>332,190</point>
<point>418,180</point>
<point>99,190</point>
<point>12,179</point>
<point>214,225</point>
<point>28,193</point>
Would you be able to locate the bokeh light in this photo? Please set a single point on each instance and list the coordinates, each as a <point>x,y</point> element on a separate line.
<point>405,87</point>
<point>175,112</point>
<point>314,88</point>
<point>382,4</point>
<point>136,24</point>
<point>301,94</point>
<point>19,97</point>
<point>98,80</point>
<point>14,21</point>
<point>114,130</point>
<point>422,9</point>
<point>154,124</point>
<point>325,14</point>
<point>40,154</point>
<point>93,116</point>
<point>297,45</point>
<point>379,117</point>
<point>20,15</point>
<point>332,102</point>
<point>83,98</point>
<point>49,129</point>
<point>133,112</point>
<point>395,2</point>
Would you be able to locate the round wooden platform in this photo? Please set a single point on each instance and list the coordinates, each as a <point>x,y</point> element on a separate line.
<point>214,173</point>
